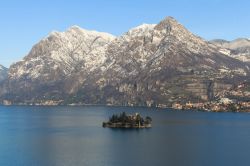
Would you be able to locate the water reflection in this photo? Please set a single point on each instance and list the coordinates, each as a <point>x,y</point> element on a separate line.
<point>74,136</point>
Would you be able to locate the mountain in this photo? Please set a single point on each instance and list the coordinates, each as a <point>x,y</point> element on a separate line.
<point>150,65</point>
<point>158,65</point>
<point>43,71</point>
<point>239,48</point>
<point>3,73</point>
<point>62,53</point>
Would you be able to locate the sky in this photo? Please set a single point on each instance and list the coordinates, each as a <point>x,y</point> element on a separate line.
<point>24,22</point>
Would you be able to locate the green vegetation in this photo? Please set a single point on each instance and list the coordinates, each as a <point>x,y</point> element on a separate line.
<point>128,121</point>
<point>232,108</point>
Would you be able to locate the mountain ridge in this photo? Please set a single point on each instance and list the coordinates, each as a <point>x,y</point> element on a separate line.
<point>150,65</point>
<point>238,48</point>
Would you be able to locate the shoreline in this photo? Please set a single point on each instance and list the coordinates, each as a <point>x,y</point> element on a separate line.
<point>117,106</point>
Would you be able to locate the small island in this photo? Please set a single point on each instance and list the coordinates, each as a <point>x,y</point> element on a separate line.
<point>128,121</point>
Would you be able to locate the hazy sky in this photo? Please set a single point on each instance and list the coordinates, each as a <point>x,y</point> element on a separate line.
<point>25,22</point>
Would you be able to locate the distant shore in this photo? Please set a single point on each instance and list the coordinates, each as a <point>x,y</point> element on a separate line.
<point>192,108</point>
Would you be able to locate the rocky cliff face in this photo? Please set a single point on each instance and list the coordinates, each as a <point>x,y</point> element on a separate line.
<point>149,65</point>
<point>160,64</point>
<point>239,48</point>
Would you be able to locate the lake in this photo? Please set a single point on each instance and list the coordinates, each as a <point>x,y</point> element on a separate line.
<point>73,136</point>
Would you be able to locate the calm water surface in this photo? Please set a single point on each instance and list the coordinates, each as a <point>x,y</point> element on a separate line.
<point>72,136</point>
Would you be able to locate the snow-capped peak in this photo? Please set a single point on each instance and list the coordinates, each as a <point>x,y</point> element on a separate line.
<point>53,33</point>
<point>144,26</point>
<point>78,29</point>
<point>64,52</point>
<point>141,30</point>
<point>168,22</point>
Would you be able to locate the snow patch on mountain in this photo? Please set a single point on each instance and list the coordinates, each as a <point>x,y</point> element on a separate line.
<point>146,63</point>
<point>141,30</point>
<point>238,49</point>
<point>64,52</point>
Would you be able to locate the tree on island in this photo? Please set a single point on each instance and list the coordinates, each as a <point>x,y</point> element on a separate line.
<point>124,118</point>
<point>128,121</point>
<point>232,108</point>
<point>148,120</point>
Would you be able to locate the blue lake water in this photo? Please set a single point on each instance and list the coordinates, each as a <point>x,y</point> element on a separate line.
<point>72,136</point>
